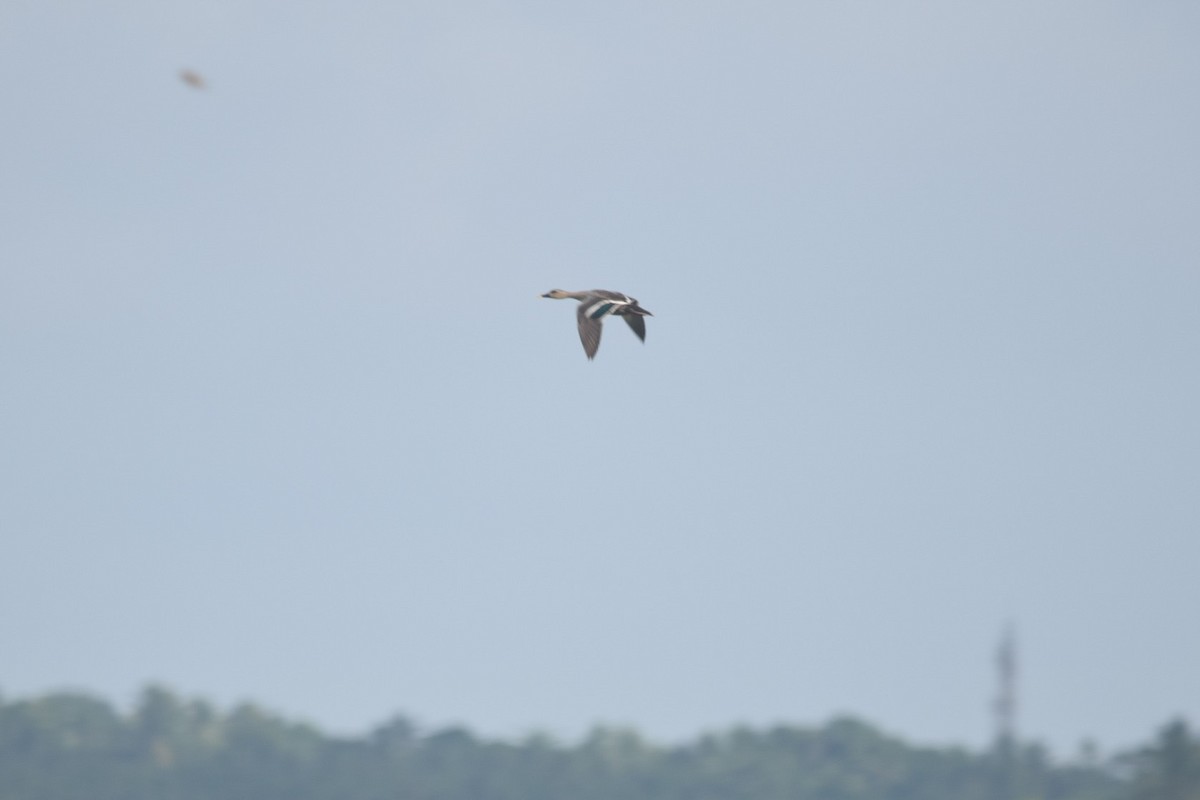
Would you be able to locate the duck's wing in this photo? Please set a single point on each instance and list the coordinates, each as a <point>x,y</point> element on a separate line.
<point>589,331</point>
<point>638,323</point>
<point>620,297</point>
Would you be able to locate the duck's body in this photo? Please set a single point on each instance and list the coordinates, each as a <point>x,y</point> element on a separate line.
<point>594,306</point>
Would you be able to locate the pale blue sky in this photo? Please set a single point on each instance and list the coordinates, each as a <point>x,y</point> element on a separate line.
<point>284,419</point>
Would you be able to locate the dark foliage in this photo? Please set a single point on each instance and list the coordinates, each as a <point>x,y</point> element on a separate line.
<point>71,746</point>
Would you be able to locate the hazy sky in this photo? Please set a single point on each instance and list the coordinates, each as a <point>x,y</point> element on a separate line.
<point>283,418</point>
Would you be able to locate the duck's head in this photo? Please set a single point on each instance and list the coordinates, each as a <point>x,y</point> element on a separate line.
<point>556,294</point>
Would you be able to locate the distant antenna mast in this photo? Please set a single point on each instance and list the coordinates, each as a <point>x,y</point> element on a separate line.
<point>1006,698</point>
<point>1007,765</point>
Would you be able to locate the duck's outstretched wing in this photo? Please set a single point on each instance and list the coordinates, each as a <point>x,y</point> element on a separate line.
<point>638,323</point>
<point>589,331</point>
<point>620,297</point>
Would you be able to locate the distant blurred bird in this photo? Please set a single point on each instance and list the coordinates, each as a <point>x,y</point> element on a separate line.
<point>192,79</point>
<point>594,306</point>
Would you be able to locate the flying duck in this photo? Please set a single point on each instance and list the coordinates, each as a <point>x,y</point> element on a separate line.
<point>594,306</point>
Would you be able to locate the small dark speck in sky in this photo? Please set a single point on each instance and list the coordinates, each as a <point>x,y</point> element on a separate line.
<point>192,79</point>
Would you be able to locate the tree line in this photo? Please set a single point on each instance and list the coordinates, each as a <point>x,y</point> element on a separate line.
<point>69,745</point>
